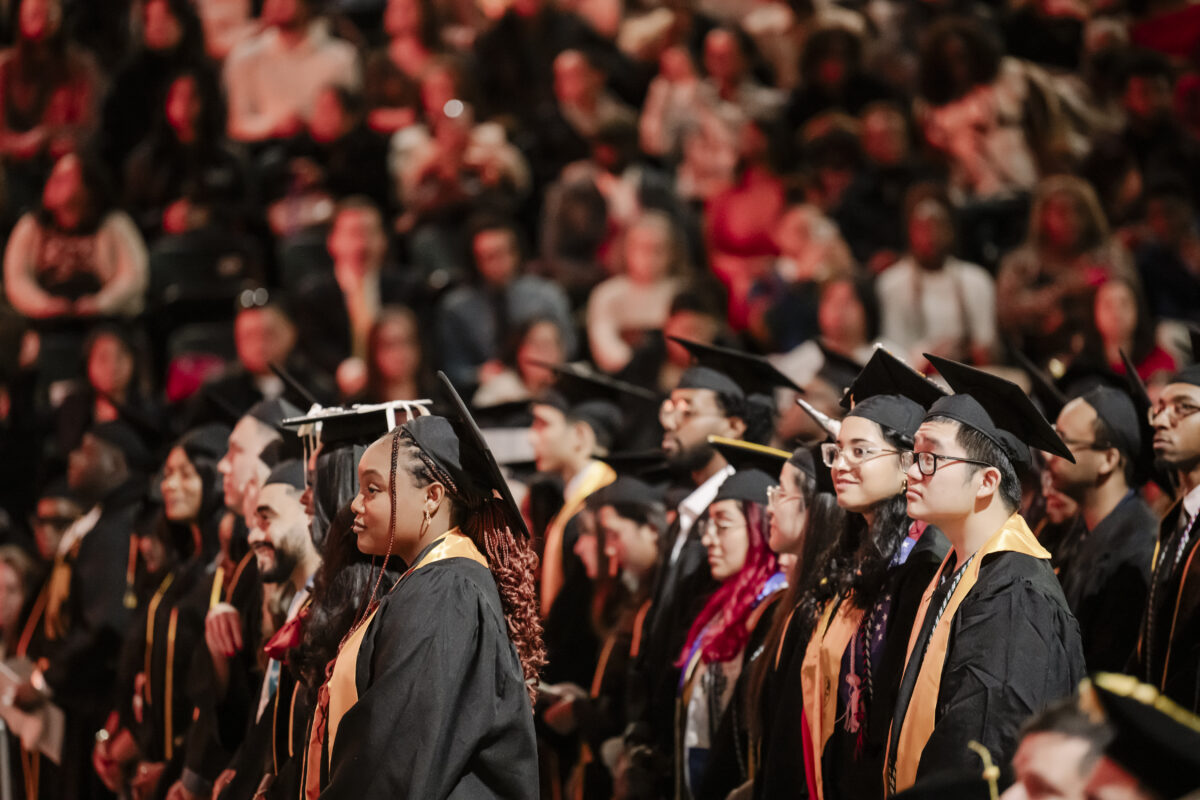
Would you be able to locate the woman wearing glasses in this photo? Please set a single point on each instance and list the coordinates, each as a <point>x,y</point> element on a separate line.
<point>882,564</point>
<point>747,573</point>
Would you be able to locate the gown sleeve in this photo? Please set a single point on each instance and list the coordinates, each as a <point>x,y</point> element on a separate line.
<point>1011,653</point>
<point>442,709</point>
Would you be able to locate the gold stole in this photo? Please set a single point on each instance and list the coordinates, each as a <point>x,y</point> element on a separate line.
<point>597,476</point>
<point>819,676</point>
<point>340,692</point>
<point>916,728</point>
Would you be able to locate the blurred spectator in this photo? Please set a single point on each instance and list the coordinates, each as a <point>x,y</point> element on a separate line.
<point>362,279</point>
<point>974,106</point>
<point>77,256</point>
<point>1122,323</point>
<point>1047,32</point>
<point>395,367</point>
<point>739,222</point>
<point>539,341</point>
<point>392,76</point>
<point>273,79</point>
<point>473,320</point>
<point>871,212</point>
<point>671,103</point>
<point>784,301</point>
<point>182,177</point>
<point>1044,288</point>
<point>447,171</point>
<point>729,78</point>
<point>832,77</point>
<point>226,23</point>
<point>171,41</point>
<point>334,157</point>
<point>56,508</point>
<point>1168,257</point>
<point>18,581</point>
<point>582,99</point>
<point>627,307</point>
<point>116,388</point>
<point>50,91</point>
<point>932,302</point>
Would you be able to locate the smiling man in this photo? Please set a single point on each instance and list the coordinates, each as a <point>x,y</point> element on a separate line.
<point>994,640</point>
<point>1168,653</point>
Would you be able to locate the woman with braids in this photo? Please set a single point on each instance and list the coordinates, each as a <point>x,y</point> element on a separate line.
<point>851,669</point>
<point>431,692</point>
<point>747,573</point>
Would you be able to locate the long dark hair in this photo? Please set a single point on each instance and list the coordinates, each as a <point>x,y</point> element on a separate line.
<point>859,578</point>
<point>204,449</point>
<point>935,74</point>
<point>334,489</point>
<point>510,556</point>
<point>341,594</point>
<point>98,186</point>
<point>798,606</point>
<point>191,31</point>
<point>210,123</point>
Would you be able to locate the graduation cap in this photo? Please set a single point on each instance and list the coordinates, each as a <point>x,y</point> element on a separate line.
<point>290,382</point>
<point>744,455</point>
<point>838,370</point>
<point>1119,412</point>
<point>336,427</point>
<point>891,393</point>
<point>290,472</point>
<point>998,409</point>
<point>591,398</point>
<point>751,374</point>
<point>121,435</point>
<point>808,460</point>
<point>626,490</point>
<point>959,784</point>
<point>1043,388</point>
<point>578,382</point>
<point>1083,375</point>
<point>828,424</point>
<point>509,414</point>
<point>457,445</point>
<point>748,486</point>
<point>209,441</point>
<point>1155,740</point>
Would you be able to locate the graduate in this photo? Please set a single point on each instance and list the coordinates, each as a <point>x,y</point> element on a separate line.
<point>806,522</point>
<point>852,665</point>
<point>430,694</point>
<point>727,630</point>
<point>1107,577</point>
<point>993,640</point>
<point>1168,652</point>
<point>707,402</point>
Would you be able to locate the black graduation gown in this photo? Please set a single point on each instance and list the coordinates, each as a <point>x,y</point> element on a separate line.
<point>222,720</point>
<point>781,773</point>
<point>35,776</point>
<point>680,592</point>
<point>1107,581</point>
<point>1013,647</point>
<point>442,710</point>
<point>851,776</point>
<point>1168,652</point>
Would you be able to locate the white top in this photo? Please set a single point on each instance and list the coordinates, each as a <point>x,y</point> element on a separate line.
<point>618,305</point>
<point>268,83</point>
<point>1191,502</point>
<point>927,311</point>
<point>694,505</point>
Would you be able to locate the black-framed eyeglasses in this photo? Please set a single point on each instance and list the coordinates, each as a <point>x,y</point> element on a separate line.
<point>1175,411</point>
<point>927,463</point>
<point>854,455</point>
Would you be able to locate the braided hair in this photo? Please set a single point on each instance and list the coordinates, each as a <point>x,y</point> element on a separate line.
<point>511,559</point>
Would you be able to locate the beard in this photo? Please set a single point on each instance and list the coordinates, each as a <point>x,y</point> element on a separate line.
<point>691,459</point>
<point>284,564</point>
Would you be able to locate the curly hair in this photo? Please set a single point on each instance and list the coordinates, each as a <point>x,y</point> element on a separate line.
<point>510,557</point>
<point>730,606</point>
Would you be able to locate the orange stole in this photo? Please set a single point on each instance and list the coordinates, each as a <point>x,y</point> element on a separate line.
<point>819,677</point>
<point>340,692</point>
<point>917,726</point>
<point>598,476</point>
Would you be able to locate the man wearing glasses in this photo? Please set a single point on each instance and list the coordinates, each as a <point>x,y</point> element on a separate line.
<point>1168,652</point>
<point>1107,576</point>
<point>994,640</point>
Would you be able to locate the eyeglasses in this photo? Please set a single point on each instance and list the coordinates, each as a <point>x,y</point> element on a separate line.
<point>1175,411</point>
<point>1075,444</point>
<point>854,455</point>
<point>677,413</point>
<point>716,528</point>
<point>776,496</point>
<point>927,462</point>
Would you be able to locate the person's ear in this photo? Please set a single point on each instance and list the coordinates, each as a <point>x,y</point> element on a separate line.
<point>736,427</point>
<point>1110,461</point>
<point>989,482</point>
<point>435,493</point>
